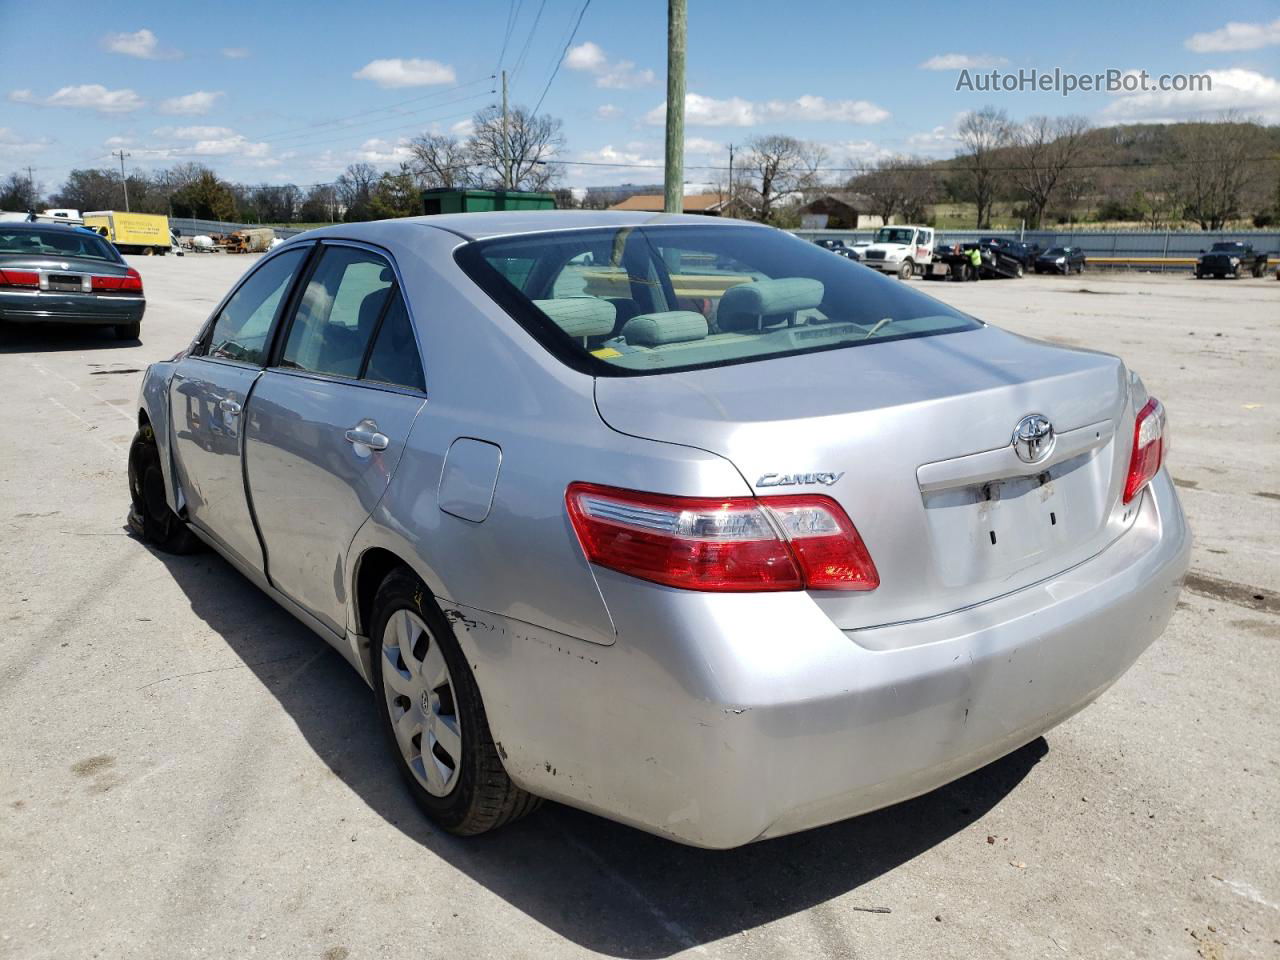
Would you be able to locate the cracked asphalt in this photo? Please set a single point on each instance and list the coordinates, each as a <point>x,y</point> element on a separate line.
<point>186,771</point>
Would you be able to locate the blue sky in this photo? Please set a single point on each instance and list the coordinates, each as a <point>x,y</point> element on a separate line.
<point>282,91</point>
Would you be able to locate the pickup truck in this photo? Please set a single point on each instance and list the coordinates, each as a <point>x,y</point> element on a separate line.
<point>900,250</point>
<point>1230,258</point>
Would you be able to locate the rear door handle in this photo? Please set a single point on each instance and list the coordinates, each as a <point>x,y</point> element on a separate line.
<point>230,406</point>
<point>365,433</point>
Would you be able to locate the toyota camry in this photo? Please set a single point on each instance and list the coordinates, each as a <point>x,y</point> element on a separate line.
<point>683,522</point>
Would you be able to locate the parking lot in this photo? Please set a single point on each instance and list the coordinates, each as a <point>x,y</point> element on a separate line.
<point>190,772</point>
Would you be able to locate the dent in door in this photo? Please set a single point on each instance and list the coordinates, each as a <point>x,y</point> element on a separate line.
<point>469,477</point>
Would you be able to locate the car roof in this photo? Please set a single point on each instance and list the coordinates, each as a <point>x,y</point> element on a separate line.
<point>481,226</point>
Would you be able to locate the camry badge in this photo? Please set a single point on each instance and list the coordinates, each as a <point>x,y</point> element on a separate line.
<point>797,479</point>
<point>1033,438</point>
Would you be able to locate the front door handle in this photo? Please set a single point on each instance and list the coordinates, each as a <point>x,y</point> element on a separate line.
<point>230,407</point>
<point>365,433</point>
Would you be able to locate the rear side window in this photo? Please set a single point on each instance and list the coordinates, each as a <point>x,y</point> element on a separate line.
<point>395,354</point>
<point>338,314</point>
<point>243,327</point>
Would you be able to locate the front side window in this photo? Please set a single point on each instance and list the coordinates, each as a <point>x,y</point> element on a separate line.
<point>619,302</point>
<point>243,327</point>
<point>338,313</point>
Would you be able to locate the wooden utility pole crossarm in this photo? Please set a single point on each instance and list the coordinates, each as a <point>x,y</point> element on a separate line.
<point>673,183</point>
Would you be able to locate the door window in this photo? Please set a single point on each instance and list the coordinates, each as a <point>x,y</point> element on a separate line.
<point>243,328</point>
<point>338,314</point>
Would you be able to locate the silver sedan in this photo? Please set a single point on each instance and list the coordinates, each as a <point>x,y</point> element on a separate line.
<point>681,521</point>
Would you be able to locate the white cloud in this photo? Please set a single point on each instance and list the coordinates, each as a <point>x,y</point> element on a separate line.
<point>194,133</point>
<point>1236,36</point>
<point>962,61</point>
<point>737,112</point>
<point>12,143</point>
<point>702,145</point>
<point>940,140</point>
<point>235,53</point>
<point>631,153</point>
<point>463,128</point>
<point>191,104</point>
<point>85,96</point>
<point>397,72</point>
<point>382,153</point>
<point>611,75</point>
<point>143,44</point>
<point>1247,91</point>
<point>607,111</point>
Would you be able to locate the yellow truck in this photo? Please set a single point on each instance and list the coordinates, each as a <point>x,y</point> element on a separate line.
<point>132,232</point>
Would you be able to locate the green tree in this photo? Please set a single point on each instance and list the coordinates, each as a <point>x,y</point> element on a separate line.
<point>206,197</point>
<point>396,195</point>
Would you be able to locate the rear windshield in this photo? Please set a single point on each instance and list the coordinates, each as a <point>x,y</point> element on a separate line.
<point>642,300</point>
<point>55,242</point>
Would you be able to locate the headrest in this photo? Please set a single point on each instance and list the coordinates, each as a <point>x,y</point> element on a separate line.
<point>743,305</point>
<point>580,316</point>
<point>672,326</point>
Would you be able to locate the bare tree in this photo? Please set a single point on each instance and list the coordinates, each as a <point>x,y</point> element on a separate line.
<point>775,168</point>
<point>441,160</point>
<point>520,159</point>
<point>19,194</point>
<point>1217,164</point>
<point>897,185</point>
<point>1046,153</point>
<point>355,190</point>
<point>983,134</point>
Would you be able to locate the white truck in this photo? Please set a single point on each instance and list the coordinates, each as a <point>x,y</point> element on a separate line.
<point>901,250</point>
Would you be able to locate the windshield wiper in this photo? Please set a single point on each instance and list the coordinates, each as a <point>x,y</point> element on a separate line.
<point>883,322</point>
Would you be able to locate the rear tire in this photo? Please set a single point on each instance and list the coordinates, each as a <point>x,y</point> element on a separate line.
<point>149,514</point>
<point>128,331</point>
<point>434,701</point>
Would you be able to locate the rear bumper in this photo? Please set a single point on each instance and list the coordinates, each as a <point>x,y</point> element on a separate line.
<point>716,720</point>
<point>39,306</point>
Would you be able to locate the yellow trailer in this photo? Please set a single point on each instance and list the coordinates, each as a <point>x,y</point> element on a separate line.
<point>132,232</point>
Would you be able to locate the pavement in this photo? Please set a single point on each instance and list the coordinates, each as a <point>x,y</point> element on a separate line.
<point>186,771</point>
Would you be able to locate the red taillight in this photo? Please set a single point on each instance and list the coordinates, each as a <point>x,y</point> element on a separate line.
<point>1148,448</point>
<point>19,278</point>
<point>132,280</point>
<point>721,544</point>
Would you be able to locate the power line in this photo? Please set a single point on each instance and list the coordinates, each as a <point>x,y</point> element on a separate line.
<point>568,43</point>
<point>1136,164</point>
<point>524,51</point>
<point>286,134</point>
<point>511,22</point>
<point>399,126</point>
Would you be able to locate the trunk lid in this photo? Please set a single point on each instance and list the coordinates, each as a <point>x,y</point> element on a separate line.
<point>914,439</point>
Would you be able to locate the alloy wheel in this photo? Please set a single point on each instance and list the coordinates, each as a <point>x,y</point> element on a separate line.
<point>420,701</point>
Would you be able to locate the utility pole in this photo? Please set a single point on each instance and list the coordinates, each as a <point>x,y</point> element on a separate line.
<point>673,182</point>
<point>123,182</point>
<point>506,153</point>
<point>731,203</point>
